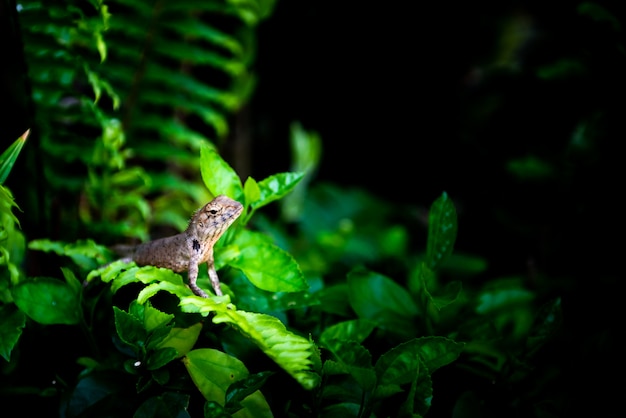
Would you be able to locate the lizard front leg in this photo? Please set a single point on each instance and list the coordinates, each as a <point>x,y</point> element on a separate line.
<point>215,281</point>
<point>192,272</point>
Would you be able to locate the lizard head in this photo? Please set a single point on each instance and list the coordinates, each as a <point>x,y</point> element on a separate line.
<point>210,221</point>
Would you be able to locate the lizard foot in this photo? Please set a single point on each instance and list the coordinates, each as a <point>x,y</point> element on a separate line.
<point>195,289</point>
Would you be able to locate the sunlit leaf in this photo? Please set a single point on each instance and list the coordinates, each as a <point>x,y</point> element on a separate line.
<point>218,176</point>
<point>270,268</point>
<point>213,371</point>
<point>251,191</point>
<point>276,186</point>
<point>129,328</point>
<point>182,339</point>
<point>288,350</point>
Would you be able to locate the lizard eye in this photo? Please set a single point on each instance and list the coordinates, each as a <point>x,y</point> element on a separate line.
<point>213,211</point>
<point>201,224</point>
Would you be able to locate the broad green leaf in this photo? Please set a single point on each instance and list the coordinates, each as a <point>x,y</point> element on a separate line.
<point>382,301</point>
<point>182,339</point>
<point>251,191</point>
<point>354,330</point>
<point>154,318</point>
<point>152,289</point>
<point>334,299</point>
<point>288,350</point>
<point>71,280</point>
<point>355,360</point>
<point>12,321</point>
<point>400,366</point>
<point>9,156</point>
<point>213,371</point>
<point>243,388</point>
<point>48,301</point>
<point>218,176</point>
<point>270,268</point>
<point>85,253</point>
<point>160,357</point>
<point>276,186</point>
<point>251,298</point>
<point>129,329</point>
<point>438,351</point>
<point>156,337</point>
<point>426,280</point>
<point>442,227</point>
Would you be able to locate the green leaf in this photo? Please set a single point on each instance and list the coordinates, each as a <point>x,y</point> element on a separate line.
<point>251,298</point>
<point>400,366</point>
<point>442,227</point>
<point>251,191</point>
<point>382,301</point>
<point>438,351</point>
<point>269,268</point>
<point>71,280</point>
<point>354,330</point>
<point>130,329</point>
<point>84,253</point>
<point>9,156</point>
<point>213,371</point>
<point>442,298</point>
<point>154,318</point>
<point>182,339</point>
<point>12,321</point>
<point>289,351</point>
<point>243,388</point>
<point>276,186</point>
<point>355,360</point>
<point>160,357</point>
<point>218,176</point>
<point>48,301</point>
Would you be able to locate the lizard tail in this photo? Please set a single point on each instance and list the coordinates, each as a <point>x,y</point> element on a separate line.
<point>125,250</point>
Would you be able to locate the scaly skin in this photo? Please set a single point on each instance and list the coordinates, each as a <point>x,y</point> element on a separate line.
<point>194,246</point>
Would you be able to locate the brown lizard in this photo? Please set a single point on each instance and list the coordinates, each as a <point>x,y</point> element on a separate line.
<point>194,246</point>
